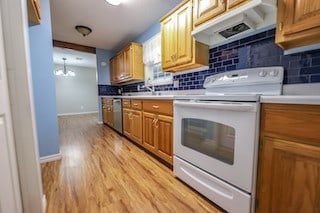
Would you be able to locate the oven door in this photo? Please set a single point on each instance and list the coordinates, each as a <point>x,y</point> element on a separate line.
<point>218,137</point>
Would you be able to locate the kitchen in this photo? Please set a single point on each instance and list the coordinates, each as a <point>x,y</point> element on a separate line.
<point>259,50</point>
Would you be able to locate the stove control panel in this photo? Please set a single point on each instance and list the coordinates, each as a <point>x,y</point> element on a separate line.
<point>246,77</point>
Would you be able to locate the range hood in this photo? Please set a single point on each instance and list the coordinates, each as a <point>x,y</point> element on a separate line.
<point>237,23</point>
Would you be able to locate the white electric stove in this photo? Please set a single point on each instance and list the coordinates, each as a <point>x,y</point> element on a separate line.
<point>216,135</point>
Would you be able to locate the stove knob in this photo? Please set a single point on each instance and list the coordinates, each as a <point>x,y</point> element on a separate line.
<point>274,73</point>
<point>263,73</point>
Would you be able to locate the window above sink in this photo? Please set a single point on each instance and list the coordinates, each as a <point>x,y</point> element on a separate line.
<point>152,63</point>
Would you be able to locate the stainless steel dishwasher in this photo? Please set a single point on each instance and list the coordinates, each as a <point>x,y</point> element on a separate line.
<point>117,114</point>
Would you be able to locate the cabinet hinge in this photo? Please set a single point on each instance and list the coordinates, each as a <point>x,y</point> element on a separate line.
<point>280,26</point>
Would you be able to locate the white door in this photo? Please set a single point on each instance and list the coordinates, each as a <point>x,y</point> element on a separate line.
<point>10,200</point>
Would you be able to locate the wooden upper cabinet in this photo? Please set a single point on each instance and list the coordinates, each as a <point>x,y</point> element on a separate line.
<point>206,9</point>
<point>168,42</point>
<point>184,40</point>
<point>127,59</point>
<point>298,23</point>
<point>235,3</point>
<point>113,68</point>
<point>127,65</point>
<point>34,14</point>
<point>289,159</point>
<point>179,49</point>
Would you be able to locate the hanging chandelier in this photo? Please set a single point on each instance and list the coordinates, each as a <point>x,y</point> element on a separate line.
<point>64,71</point>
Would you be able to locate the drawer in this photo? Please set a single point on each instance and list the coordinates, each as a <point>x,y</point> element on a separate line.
<point>126,103</point>
<point>107,101</point>
<point>159,106</point>
<point>298,122</point>
<point>136,104</point>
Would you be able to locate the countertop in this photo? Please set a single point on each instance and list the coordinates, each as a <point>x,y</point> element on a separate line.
<point>296,94</point>
<point>292,94</point>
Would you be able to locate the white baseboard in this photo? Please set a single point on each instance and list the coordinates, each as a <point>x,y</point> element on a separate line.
<point>77,113</point>
<point>49,158</point>
<point>44,203</point>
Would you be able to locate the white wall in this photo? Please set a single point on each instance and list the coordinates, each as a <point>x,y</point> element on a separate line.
<point>78,94</point>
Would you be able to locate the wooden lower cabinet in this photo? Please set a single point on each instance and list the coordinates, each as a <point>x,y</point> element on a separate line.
<point>164,137</point>
<point>136,120</point>
<point>158,129</point>
<point>150,124</point>
<point>126,122</point>
<point>149,131</point>
<point>107,111</point>
<point>289,159</point>
<point>132,123</point>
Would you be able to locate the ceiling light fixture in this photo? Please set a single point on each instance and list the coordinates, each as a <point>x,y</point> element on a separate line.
<point>114,2</point>
<point>64,71</point>
<point>84,30</point>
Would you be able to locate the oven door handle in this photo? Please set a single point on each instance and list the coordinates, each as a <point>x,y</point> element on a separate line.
<point>219,105</point>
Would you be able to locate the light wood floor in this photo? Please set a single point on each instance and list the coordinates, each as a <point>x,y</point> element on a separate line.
<point>101,171</point>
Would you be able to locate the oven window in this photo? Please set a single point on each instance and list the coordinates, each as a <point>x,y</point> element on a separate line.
<point>210,138</point>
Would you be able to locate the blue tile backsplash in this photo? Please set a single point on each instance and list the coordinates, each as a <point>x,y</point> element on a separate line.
<point>254,51</point>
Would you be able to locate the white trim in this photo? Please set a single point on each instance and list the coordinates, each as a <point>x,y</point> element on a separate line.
<point>50,158</point>
<point>100,122</point>
<point>16,38</point>
<point>77,113</point>
<point>301,49</point>
<point>44,203</point>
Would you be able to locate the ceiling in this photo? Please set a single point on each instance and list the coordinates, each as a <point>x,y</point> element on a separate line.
<point>74,58</point>
<point>112,26</point>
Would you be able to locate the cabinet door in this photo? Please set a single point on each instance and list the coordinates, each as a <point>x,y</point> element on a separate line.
<point>233,3</point>
<point>289,177</point>
<point>298,23</point>
<point>120,66</point>
<point>183,52</point>
<point>207,9</point>
<point>110,116</point>
<point>136,133</point>
<point>149,131</point>
<point>104,115</point>
<point>113,70</point>
<point>126,122</point>
<point>164,137</point>
<point>34,14</point>
<point>168,42</point>
<point>127,60</point>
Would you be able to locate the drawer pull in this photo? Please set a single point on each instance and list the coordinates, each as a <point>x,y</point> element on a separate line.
<point>135,104</point>
<point>155,107</point>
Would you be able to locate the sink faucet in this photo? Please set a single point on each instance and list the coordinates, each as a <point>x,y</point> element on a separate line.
<point>151,89</point>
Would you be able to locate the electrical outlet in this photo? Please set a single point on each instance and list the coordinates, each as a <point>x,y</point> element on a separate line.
<point>176,84</point>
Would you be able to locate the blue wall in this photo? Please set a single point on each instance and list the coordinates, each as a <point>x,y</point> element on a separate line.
<point>103,71</point>
<point>40,39</point>
<point>151,31</point>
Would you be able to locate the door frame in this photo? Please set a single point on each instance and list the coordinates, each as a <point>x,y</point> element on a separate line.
<point>18,65</point>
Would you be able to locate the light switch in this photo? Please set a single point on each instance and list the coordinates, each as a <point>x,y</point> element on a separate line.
<point>176,84</point>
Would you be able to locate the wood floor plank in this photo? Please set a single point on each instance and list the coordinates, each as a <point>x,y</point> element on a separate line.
<point>101,171</point>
